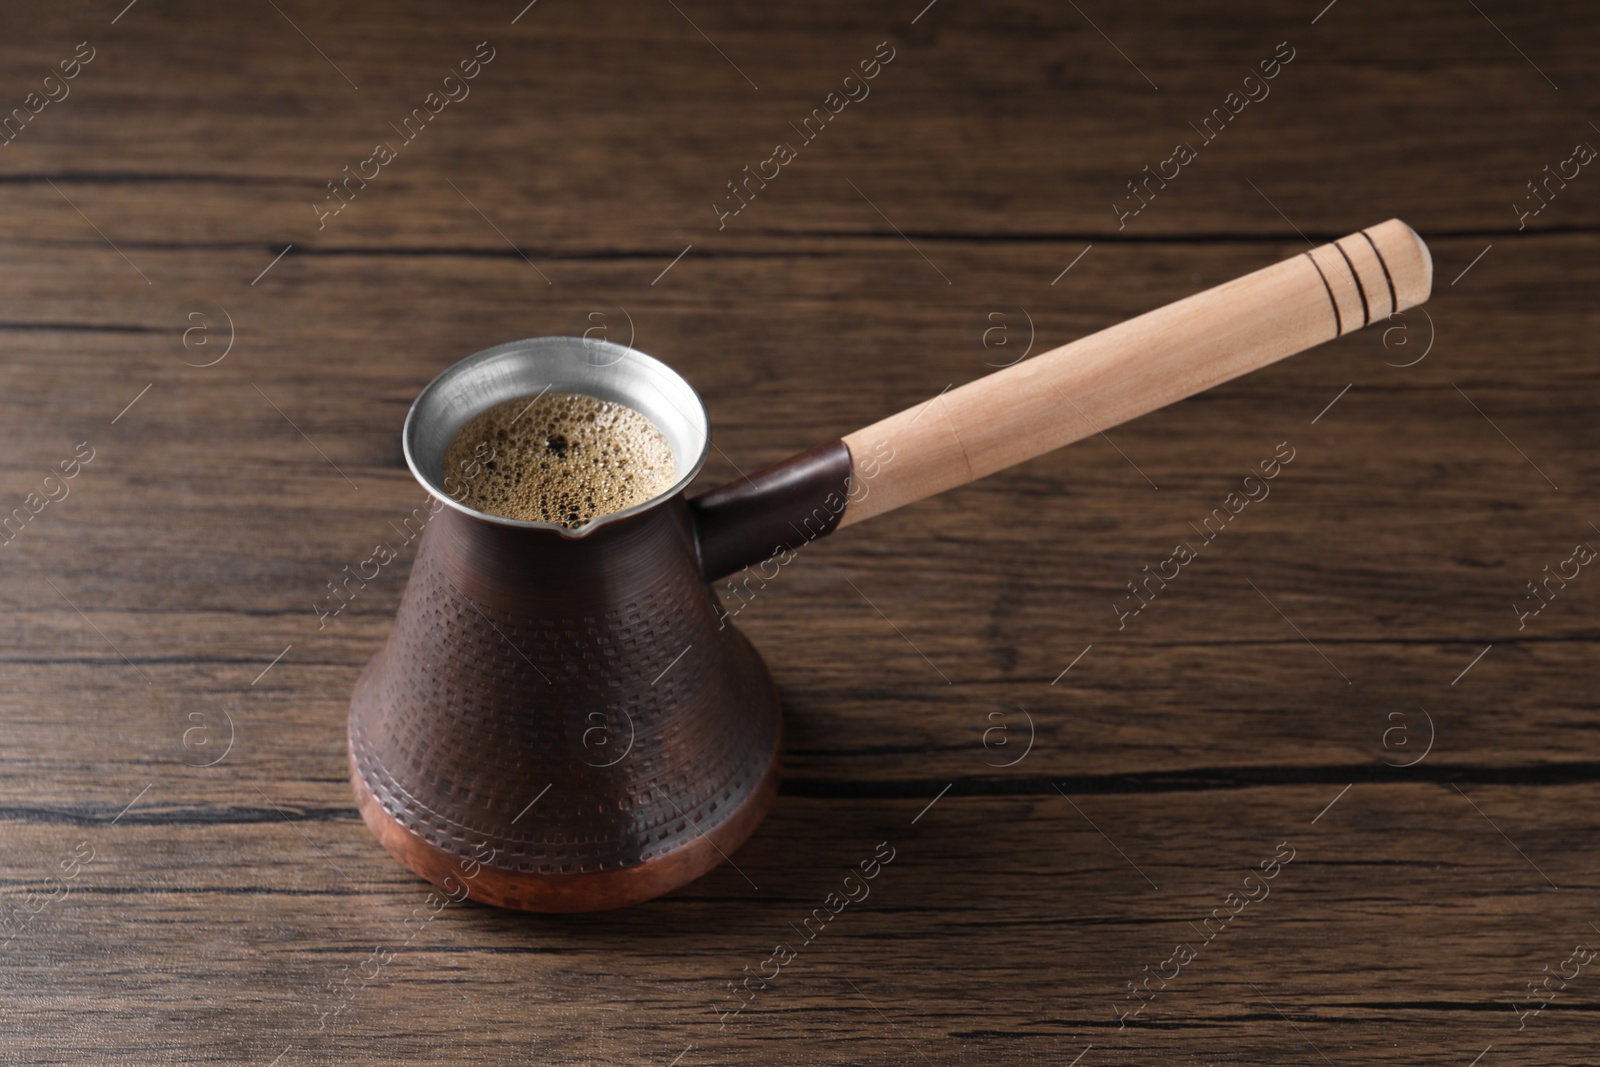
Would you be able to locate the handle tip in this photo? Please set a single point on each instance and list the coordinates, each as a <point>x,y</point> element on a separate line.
<point>1409,261</point>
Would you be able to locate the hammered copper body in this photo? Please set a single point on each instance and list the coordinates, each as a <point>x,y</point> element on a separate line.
<point>591,675</point>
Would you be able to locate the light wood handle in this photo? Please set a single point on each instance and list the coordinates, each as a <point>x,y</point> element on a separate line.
<point>1120,373</point>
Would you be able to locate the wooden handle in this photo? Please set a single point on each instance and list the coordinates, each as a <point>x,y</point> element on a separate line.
<point>1120,373</point>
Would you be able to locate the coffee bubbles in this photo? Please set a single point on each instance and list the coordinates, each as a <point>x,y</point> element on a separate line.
<point>563,458</point>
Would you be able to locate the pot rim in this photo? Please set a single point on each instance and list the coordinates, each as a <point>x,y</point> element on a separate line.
<point>505,371</point>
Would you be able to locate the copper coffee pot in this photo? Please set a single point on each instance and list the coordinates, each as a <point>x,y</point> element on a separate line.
<point>563,720</point>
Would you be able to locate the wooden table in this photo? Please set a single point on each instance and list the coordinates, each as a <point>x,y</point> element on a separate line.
<point>1342,676</point>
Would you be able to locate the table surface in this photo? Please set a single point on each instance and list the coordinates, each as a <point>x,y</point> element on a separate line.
<point>1353,674</point>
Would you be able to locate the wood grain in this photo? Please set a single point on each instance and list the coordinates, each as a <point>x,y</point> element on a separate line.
<point>226,908</point>
<point>1099,382</point>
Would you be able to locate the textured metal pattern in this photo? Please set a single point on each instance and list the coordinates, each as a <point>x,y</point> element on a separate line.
<point>566,707</point>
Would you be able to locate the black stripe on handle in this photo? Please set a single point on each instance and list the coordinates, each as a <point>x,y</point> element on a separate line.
<point>1361,290</point>
<point>1388,279</point>
<point>1338,320</point>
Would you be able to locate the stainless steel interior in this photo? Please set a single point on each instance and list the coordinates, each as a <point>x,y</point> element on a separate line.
<point>558,364</point>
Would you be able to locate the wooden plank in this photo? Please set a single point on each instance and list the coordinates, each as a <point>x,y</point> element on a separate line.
<point>941,955</point>
<point>1017,123</point>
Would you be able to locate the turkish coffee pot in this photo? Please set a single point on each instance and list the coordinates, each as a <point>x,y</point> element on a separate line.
<point>564,719</point>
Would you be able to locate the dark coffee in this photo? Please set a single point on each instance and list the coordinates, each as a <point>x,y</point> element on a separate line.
<point>564,458</point>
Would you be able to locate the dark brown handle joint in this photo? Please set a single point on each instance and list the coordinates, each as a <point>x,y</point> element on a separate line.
<point>783,506</point>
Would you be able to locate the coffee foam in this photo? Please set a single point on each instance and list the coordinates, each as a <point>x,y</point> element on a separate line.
<point>563,458</point>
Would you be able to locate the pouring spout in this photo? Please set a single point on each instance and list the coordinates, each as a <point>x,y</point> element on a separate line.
<point>783,506</point>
